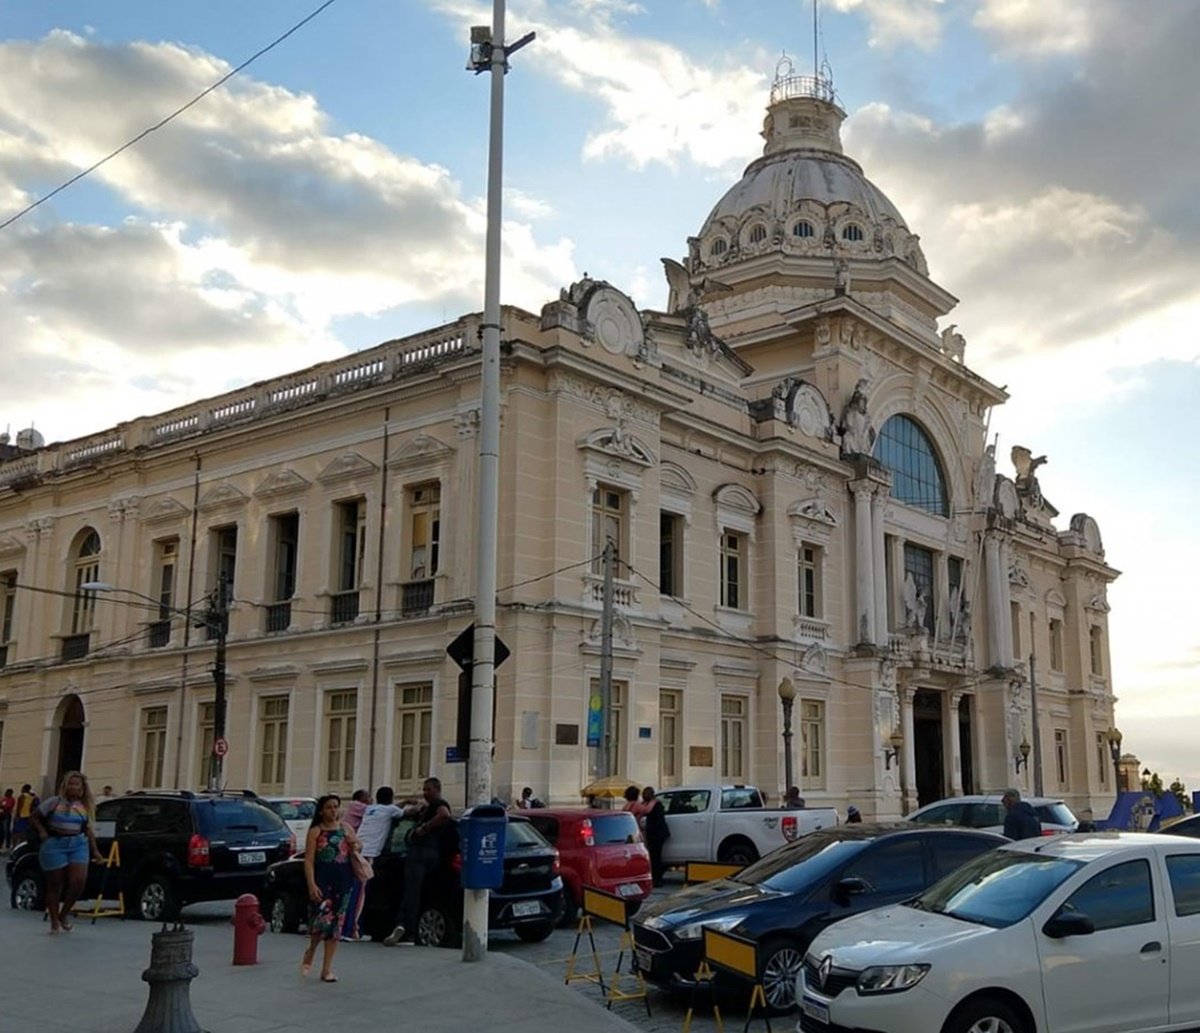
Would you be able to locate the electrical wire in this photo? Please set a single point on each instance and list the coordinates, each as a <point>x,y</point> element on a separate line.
<point>162,122</point>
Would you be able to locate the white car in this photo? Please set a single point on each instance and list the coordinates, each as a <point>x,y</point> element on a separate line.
<point>985,811</point>
<point>1088,933</point>
<point>296,811</point>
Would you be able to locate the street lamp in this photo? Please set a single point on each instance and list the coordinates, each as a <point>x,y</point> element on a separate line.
<point>216,617</point>
<point>1114,749</point>
<point>1022,758</point>
<point>895,742</point>
<point>787,698</point>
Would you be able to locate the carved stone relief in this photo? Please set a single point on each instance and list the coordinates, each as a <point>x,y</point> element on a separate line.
<point>614,322</point>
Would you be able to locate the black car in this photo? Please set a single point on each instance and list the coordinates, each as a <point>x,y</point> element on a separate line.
<point>176,848</point>
<point>529,902</point>
<point>1189,826</point>
<point>785,899</point>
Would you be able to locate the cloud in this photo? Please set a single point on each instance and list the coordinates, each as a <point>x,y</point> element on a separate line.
<point>1038,27</point>
<point>892,23</point>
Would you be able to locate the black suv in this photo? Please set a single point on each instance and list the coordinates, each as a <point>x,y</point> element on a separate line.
<point>176,848</point>
<point>529,902</point>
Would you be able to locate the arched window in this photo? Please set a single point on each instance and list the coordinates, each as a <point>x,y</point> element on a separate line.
<point>917,478</point>
<point>803,228</point>
<point>852,232</point>
<point>758,234</point>
<point>718,247</point>
<point>86,569</point>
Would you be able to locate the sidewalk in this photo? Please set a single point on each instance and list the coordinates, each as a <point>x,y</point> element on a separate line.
<point>99,969</point>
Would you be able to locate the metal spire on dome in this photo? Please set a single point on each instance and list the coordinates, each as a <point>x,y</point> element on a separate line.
<point>819,85</point>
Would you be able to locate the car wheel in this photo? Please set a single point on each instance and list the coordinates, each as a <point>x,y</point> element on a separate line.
<point>156,900</point>
<point>435,928</point>
<point>284,913</point>
<point>570,913</point>
<point>28,892</point>
<point>535,932</point>
<point>782,961</point>
<point>737,852</point>
<point>984,1015</point>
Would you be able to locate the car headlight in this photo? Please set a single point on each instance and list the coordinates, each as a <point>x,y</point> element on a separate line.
<point>890,979</point>
<point>695,930</point>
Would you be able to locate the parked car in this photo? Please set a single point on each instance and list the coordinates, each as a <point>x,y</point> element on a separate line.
<point>729,824</point>
<point>529,902</point>
<point>176,847</point>
<point>985,811</point>
<point>296,811</point>
<point>1096,932</point>
<point>603,849</point>
<point>789,896</point>
<point>1189,826</point>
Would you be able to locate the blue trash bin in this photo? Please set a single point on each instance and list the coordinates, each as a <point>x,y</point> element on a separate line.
<point>482,830</point>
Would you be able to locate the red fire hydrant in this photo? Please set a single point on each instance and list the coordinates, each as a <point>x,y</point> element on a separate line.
<point>248,926</point>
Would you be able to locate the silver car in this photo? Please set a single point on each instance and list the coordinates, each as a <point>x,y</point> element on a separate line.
<point>985,811</point>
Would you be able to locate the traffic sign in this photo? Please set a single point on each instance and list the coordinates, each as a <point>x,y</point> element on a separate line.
<point>462,649</point>
<point>220,747</point>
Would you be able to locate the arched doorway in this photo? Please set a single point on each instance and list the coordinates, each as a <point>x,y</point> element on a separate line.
<point>69,725</point>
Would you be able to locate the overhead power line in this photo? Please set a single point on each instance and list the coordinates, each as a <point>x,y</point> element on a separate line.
<point>162,122</point>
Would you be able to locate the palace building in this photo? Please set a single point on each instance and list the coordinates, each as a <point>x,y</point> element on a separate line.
<point>792,462</point>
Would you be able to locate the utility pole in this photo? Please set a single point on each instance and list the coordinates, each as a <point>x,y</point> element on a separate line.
<point>488,54</point>
<point>218,619</point>
<point>605,766</point>
<point>1037,732</point>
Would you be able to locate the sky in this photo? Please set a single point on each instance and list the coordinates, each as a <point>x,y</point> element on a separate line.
<point>331,197</point>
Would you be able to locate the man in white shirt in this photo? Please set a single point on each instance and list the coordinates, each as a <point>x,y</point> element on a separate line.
<point>377,822</point>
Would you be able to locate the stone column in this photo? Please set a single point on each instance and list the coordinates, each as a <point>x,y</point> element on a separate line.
<point>908,753</point>
<point>997,603</point>
<point>955,751</point>
<point>864,630</point>
<point>1006,602</point>
<point>879,550</point>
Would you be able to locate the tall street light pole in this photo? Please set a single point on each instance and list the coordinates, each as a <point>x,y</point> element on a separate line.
<point>1114,749</point>
<point>488,53</point>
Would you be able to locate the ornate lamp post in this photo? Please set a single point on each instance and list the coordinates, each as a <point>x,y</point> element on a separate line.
<point>1114,749</point>
<point>787,699</point>
<point>1022,759</point>
<point>891,750</point>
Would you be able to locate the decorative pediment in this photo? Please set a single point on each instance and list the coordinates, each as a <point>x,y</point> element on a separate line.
<point>164,510</point>
<point>674,478</point>
<point>222,496</point>
<point>281,482</point>
<point>1085,532</point>
<point>612,320</point>
<point>735,498</point>
<point>345,467</point>
<point>422,449</point>
<point>9,545</point>
<point>815,659</point>
<point>1098,603</point>
<point>1017,576</point>
<point>1055,598</point>
<point>814,510</point>
<point>617,441</point>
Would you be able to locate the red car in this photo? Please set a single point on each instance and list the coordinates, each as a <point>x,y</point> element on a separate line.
<point>602,849</point>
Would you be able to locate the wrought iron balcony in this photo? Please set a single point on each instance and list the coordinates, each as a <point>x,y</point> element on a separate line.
<point>159,634</point>
<point>279,616</point>
<point>416,597</point>
<point>75,647</point>
<point>343,607</point>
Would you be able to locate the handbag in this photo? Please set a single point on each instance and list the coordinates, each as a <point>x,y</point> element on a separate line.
<point>363,870</point>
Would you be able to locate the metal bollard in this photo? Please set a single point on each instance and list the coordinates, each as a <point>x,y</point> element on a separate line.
<point>169,1009</point>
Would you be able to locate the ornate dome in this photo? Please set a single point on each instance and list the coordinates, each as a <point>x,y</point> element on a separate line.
<point>803,196</point>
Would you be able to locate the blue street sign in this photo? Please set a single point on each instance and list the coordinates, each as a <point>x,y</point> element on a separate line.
<point>595,726</point>
<point>453,756</point>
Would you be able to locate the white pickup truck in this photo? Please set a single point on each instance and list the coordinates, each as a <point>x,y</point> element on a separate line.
<point>729,824</point>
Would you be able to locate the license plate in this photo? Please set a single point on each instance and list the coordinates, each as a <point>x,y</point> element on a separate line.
<point>525,908</point>
<point>815,1010</point>
<point>252,857</point>
<point>645,961</point>
<point>629,889</point>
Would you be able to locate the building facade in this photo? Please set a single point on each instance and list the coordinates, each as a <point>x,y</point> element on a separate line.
<point>792,465</point>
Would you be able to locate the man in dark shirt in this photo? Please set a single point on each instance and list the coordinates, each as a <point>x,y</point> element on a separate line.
<point>1020,821</point>
<point>425,850</point>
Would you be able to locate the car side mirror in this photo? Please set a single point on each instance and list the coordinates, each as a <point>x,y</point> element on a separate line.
<point>1070,923</point>
<point>846,888</point>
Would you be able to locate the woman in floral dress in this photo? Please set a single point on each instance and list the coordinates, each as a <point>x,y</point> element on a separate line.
<point>327,850</point>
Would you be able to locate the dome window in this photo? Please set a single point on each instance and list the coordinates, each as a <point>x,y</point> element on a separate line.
<point>803,228</point>
<point>852,233</point>
<point>718,247</point>
<point>758,234</point>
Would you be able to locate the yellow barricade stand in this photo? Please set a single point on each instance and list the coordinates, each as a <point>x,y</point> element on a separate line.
<point>607,907</point>
<point>702,979</point>
<point>739,957</point>
<point>706,871</point>
<point>96,908</point>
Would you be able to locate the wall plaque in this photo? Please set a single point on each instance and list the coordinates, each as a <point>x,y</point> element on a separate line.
<point>700,756</point>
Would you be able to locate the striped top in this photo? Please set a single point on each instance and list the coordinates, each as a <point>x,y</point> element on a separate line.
<point>63,817</point>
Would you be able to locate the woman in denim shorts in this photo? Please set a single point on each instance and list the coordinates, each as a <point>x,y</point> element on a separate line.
<point>65,824</point>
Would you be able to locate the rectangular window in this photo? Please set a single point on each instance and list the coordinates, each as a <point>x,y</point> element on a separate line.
<point>1,741</point>
<point>285,535</point>
<point>414,733</point>
<point>425,530</point>
<point>154,746</point>
<point>670,554</point>
<point>1056,645</point>
<point>1096,648</point>
<point>809,581</point>
<point>812,742</point>
<point>225,540</point>
<point>351,543</point>
<point>609,518</point>
<point>733,570</point>
<point>1015,620</point>
<point>272,737</point>
<point>1103,756</point>
<point>1060,755</point>
<point>733,737</point>
<point>920,606</point>
<point>206,724</point>
<point>8,604</point>
<point>83,606</point>
<point>670,724</point>
<point>165,555</point>
<point>341,710</point>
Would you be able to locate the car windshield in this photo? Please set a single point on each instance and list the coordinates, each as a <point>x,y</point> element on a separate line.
<point>293,810</point>
<point>520,834</point>
<point>242,816</point>
<point>1056,814</point>
<point>799,865</point>
<point>614,829</point>
<point>998,888</point>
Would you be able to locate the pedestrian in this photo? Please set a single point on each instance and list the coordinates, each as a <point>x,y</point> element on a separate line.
<point>525,800</point>
<point>427,846</point>
<point>1020,821</point>
<point>106,794</point>
<point>852,816</point>
<point>634,805</point>
<point>357,807</point>
<point>374,828</point>
<point>327,850</point>
<point>792,800</point>
<point>657,832</point>
<point>26,802</point>
<point>64,823</point>
<point>363,868</point>
<point>8,804</point>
